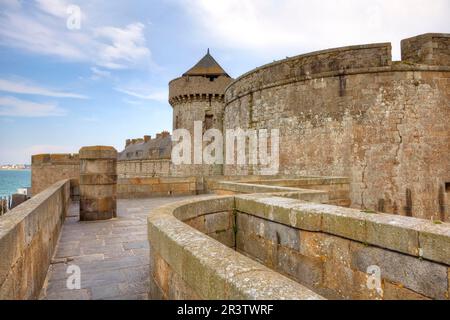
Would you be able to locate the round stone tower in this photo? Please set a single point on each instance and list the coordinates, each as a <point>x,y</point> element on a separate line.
<point>198,95</point>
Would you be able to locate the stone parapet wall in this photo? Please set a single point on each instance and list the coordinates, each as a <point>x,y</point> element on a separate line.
<point>28,236</point>
<point>331,190</point>
<point>196,170</point>
<point>330,62</point>
<point>143,168</point>
<point>129,188</point>
<point>329,250</point>
<point>196,87</point>
<point>46,169</point>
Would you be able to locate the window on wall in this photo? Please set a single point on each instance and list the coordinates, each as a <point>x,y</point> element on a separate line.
<point>209,121</point>
<point>447,187</point>
<point>176,122</point>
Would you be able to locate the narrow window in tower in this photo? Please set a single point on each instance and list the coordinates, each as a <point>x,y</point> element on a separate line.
<point>209,119</point>
<point>176,122</point>
<point>447,187</point>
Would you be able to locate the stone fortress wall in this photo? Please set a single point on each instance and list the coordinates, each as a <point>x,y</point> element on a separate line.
<point>47,169</point>
<point>354,112</point>
<point>357,129</point>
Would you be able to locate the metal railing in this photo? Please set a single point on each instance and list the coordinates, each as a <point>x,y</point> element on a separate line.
<point>5,204</point>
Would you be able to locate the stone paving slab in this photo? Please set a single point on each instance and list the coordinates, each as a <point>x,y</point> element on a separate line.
<point>113,255</point>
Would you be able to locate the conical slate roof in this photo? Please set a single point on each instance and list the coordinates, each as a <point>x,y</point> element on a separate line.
<point>207,66</point>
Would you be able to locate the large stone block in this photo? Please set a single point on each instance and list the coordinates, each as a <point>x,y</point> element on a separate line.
<point>258,248</point>
<point>346,283</point>
<point>225,237</point>
<point>422,276</point>
<point>305,270</point>
<point>395,233</point>
<point>219,221</point>
<point>434,242</point>
<point>179,290</point>
<point>343,222</point>
<point>392,291</point>
<point>161,273</point>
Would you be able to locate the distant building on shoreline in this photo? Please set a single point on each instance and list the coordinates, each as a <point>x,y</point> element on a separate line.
<point>15,167</point>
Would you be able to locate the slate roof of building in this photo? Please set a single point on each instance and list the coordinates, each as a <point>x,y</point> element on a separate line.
<point>157,148</point>
<point>207,66</point>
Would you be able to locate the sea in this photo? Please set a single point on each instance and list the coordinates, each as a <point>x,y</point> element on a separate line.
<point>11,180</point>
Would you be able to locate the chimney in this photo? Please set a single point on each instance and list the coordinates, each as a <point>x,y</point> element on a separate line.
<point>147,138</point>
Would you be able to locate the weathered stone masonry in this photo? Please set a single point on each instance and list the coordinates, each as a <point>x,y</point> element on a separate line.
<point>28,237</point>
<point>199,96</point>
<point>354,112</point>
<point>46,169</point>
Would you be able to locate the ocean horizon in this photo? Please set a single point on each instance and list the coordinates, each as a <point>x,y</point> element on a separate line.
<point>11,180</point>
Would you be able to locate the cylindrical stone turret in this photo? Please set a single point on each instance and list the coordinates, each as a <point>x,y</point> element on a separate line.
<point>98,180</point>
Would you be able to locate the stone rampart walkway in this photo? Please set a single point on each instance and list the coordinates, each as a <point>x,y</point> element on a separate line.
<point>112,255</point>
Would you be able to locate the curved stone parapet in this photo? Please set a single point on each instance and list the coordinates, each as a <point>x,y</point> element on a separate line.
<point>188,264</point>
<point>46,169</point>
<point>329,62</point>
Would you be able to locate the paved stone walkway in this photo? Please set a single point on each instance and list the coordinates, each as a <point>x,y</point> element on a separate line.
<point>112,255</point>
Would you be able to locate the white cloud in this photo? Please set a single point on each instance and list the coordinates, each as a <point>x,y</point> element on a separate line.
<point>25,87</point>
<point>157,95</point>
<point>42,29</point>
<point>58,8</point>
<point>296,26</point>
<point>13,107</point>
<point>42,35</point>
<point>127,46</point>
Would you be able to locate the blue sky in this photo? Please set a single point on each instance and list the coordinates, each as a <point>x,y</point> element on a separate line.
<point>63,88</point>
